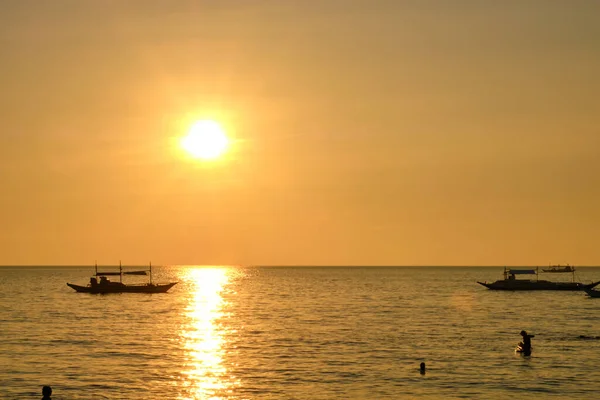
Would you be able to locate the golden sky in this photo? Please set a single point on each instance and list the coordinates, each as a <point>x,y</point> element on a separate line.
<point>364,132</point>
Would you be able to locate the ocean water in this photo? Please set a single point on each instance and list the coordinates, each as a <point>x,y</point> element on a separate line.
<point>295,333</point>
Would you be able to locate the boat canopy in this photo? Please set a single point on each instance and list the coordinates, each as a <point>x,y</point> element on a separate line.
<point>522,271</point>
<point>112,273</point>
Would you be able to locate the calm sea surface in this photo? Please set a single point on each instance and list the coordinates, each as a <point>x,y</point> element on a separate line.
<point>295,333</point>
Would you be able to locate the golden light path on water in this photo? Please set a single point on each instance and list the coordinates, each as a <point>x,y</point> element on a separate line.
<point>206,376</point>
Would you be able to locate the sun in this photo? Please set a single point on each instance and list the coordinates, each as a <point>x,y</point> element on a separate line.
<point>205,140</point>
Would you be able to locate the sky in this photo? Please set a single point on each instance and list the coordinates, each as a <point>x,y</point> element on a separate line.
<point>363,132</point>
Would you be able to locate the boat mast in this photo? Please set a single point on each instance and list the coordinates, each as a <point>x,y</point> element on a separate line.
<point>120,272</point>
<point>151,272</point>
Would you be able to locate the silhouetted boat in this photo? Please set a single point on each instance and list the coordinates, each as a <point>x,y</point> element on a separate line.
<point>106,286</point>
<point>559,268</point>
<point>510,282</point>
<point>591,292</point>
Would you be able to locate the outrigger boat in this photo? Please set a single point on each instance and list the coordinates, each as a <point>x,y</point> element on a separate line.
<point>510,282</point>
<point>559,268</point>
<point>106,286</point>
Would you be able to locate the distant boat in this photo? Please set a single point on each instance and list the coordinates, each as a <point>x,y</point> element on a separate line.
<point>592,293</point>
<point>559,268</point>
<point>106,286</point>
<point>510,282</point>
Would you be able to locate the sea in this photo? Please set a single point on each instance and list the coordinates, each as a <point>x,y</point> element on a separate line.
<point>296,333</point>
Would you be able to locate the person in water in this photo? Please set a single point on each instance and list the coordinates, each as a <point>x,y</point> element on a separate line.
<point>526,344</point>
<point>422,368</point>
<point>46,392</point>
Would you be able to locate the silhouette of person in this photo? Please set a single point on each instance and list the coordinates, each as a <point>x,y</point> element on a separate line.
<point>526,344</point>
<point>422,368</point>
<point>46,392</point>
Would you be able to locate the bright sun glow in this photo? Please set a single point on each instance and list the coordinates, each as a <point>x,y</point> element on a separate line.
<point>206,140</point>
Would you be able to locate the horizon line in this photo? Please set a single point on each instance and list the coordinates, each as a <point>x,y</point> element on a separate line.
<point>290,265</point>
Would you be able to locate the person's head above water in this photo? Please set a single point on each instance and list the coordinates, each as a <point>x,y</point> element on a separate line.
<point>46,391</point>
<point>523,333</point>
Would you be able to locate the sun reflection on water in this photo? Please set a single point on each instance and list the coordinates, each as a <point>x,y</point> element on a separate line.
<point>206,376</point>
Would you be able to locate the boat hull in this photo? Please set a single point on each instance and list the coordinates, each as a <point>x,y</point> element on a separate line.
<point>537,285</point>
<point>592,293</point>
<point>122,288</point>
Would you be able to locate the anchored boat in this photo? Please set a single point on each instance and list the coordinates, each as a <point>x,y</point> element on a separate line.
<point>559,268</point>
<point>510,282</point>
<point>106,286</point>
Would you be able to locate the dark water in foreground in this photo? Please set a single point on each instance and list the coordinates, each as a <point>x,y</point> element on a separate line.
<point>295,333</point>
